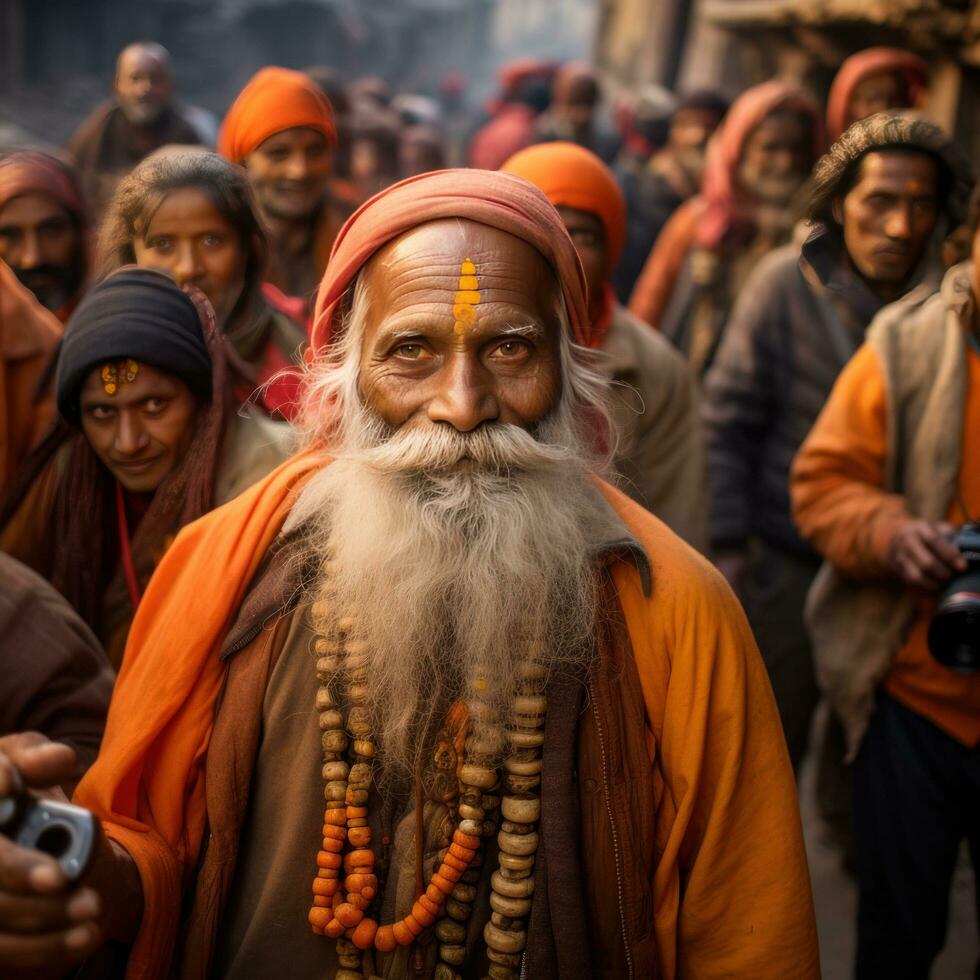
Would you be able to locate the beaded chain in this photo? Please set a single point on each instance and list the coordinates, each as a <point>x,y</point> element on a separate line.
<point>340,904</point>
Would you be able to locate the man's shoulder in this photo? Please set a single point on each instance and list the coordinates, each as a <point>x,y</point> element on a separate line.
<point>648,347</point>
<point>779,268</point>
<point>93,127</point>
<point>677,569</point>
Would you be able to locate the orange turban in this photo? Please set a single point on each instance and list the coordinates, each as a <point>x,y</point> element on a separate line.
<point>573,177</point>
<point>275,99</point>
<point>486,196</point>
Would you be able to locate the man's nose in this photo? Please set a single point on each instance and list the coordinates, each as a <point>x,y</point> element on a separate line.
<point>465,397</point>
<point>899,223</point>
<point>30,251</point>
<point>130,435</point>
<point>297,167</point>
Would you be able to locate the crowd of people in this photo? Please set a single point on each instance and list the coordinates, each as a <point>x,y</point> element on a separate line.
<point>387,550</point>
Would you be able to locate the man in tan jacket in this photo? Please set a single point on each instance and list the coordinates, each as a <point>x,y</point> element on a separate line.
<point>660,449</point>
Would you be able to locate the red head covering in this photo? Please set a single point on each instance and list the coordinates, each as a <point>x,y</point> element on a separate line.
<point>274,100</point>
<point>33,172</point>
<point>490,198</point>
<point>723,201</point>
<point>872,61</point>
<point>572,176</point>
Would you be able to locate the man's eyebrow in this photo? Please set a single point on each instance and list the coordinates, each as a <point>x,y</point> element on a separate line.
<point>531,331</point>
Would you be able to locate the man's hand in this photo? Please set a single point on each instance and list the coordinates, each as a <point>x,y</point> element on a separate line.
<point>923,555</point>
<point>732,565</point>
<point>45,920</point>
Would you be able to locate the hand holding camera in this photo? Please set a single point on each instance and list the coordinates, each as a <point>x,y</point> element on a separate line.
<point>47,918</point>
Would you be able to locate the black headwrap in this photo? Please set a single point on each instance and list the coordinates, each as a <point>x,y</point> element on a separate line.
<point>136,313</point>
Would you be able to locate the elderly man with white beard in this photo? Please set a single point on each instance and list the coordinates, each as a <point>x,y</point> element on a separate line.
<point>433,700</point>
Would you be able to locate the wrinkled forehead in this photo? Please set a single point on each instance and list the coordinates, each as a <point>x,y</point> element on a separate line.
<point>431,265</point>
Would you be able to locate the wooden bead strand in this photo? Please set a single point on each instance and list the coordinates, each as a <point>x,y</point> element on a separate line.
<point>512,884</point>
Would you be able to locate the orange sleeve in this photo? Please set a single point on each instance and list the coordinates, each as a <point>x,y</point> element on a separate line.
<point>732,888</point>
<point>653,289</point>
<point>837,481</point>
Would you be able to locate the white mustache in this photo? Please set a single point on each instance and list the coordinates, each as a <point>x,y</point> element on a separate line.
<point>500,448</point>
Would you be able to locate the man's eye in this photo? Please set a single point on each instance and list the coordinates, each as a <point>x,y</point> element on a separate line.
<point>160,244</point>
<point>212,241</point>
<point>411,351</point>
<point>99,412</point>
<point>154,406</point>
<point>511,349</point>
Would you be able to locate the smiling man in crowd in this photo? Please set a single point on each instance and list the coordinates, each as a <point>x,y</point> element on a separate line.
<point>281,129</point>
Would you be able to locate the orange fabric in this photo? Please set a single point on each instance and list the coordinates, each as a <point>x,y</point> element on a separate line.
<point>871,61</point>
<point>147,786</point>
<point>510,130</point>
<point>28,336</point>
<point>274,100</point>
<point>572,176</point>
<point>731,895</point>
<point>655,284</point>
<point>495,199</point>
<point>840,507</point>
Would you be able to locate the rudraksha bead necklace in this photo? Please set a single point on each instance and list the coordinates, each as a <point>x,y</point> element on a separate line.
<point>346,887</point>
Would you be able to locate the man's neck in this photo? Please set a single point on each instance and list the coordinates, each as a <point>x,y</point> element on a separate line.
<point>291,236</point>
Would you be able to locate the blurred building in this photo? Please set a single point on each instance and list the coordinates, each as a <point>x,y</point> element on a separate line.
<point>732,44</point>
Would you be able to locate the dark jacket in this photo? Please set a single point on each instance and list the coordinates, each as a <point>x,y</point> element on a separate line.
<point>796,324</point>
<point>54,677</point>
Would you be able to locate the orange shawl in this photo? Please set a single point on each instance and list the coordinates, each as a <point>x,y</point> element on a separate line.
<point>147,784</point>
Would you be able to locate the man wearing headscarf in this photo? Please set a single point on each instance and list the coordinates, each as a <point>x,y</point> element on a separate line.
<point>871,81</point>
<point>885,196</point>
<point>28,336</point>
<point>464,578</point>
<point>525,91</point>
<point>140,118</point>
<point>665,178</point>
<point>573,115</point>
<point>44,228</point>
<point>660,445</point>
<point>757,162</point>
<point>281,129</point>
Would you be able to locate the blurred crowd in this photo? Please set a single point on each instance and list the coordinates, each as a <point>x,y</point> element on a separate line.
<point>783,297</point>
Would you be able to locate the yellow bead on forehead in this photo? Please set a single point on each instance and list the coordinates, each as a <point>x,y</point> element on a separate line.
<point>467,297</point>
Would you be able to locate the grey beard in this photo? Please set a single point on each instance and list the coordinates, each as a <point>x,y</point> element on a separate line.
<point>449,571</point>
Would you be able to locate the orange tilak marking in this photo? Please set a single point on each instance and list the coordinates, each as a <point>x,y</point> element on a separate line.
<point>467,297</point>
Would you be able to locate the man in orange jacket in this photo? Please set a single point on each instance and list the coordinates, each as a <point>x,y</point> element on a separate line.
<point>448,634</point>
<point>887,473</point>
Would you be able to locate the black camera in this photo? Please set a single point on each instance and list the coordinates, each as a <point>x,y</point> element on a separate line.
<point>954,633</point>
<point>68,833</point>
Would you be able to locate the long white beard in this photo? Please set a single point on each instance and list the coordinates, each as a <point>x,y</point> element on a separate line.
<point>450,569</point>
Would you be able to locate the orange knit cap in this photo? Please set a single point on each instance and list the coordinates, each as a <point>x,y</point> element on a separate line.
<point>274,100</point>
<point>571,176</point>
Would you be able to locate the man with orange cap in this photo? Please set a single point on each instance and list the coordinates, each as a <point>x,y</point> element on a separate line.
<point>441,702</point>
<point>43,228</point>
<point>660,446</point>
<point>281,129</point>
